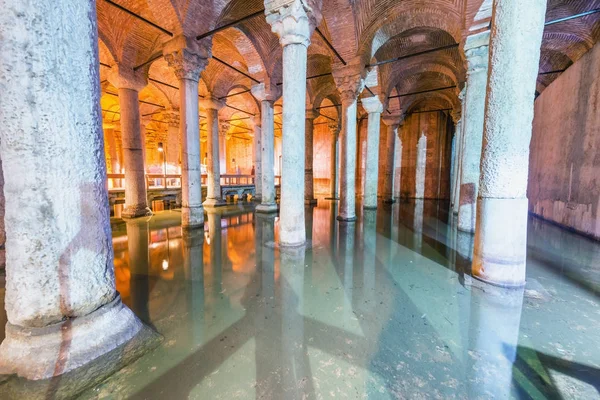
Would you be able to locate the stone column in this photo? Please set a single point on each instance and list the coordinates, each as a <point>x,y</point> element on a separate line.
<point>188,57</point>
<point>62,306</point>
<point>293,21</point>
<point>501,232</point>
<point>350,82</point>
<point>110,149</point>
<point>267,94</point>
<point>476,51</point>
<point>256,158</point>
<point>309,191</point>
<point>213,169</point>
<point>129,83</point>
<point>374,108</point>
<point>393,123</point>
<point>333,180</point>
<point>2,231</point>
<point>173,145</point>
<point>454,161</point>
<point>421,167</point>
<point>459,152</point>
<point>397,166</point>
<point>223,131</point>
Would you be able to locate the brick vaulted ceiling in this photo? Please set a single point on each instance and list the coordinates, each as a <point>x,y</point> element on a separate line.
<point>373,30</point>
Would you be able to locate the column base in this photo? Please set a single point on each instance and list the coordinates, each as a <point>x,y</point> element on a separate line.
<point>130,212</point>
<point>257,199</point>
<point>310,201</point>
<point>42,353</point>
<point>500,249</point>
<point>268,208</point>
<point>214,203</point>
<point>192,217</point>
<point>349,218</point>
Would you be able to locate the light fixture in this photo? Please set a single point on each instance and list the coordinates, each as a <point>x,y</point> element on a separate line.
<point>165,265</point>
<point>160,147</point>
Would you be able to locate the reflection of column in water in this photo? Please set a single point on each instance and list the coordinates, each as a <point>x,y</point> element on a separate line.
<point>333,230</point>
<point>347,232</point>
<point>137,244</point>
<point>216,255</point>
<point>495,321</point>
<point>309,217</point>
<point>292,310</point>
<point>268,255</point>
<point>418,225</point>
<point>193,265</point>
<point>370,254</point>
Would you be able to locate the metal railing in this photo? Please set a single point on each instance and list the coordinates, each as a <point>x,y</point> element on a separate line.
<point>173,181</point>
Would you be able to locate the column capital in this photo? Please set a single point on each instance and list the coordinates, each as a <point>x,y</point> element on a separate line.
<point>187,56</point>
<point>211,103</point>
<point>293,21</point>
<point>477,52</point>
<point>350,80</point>
<point>463,93</point>
<point>393,120</point>
<point>124,77</point>
<point>334,128</point>
<point>456,115</point>
<point>266,92</point>
<point>224,129</point>
<point>312,114</point>
<point>256,121</point>
<point>171,117</point>
<point>372,105</point>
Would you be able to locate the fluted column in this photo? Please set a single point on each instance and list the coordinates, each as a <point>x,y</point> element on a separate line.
<point>188,57</point>
<point>129,83</point>
<point>334,129</point>
<point>501,232</point>
<point>62,306</point>
<point>350,82</point>
<point>267,94</point>
<point>256,157</point>
<point>459,152</point>
<point>294,23</point>
<point>213,168</point>
<point>476,51</point>
<point>309,191</point>
<point>393,123</point>
<point>374,108</point>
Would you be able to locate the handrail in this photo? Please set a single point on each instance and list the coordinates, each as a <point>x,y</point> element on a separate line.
<point>115,180</point>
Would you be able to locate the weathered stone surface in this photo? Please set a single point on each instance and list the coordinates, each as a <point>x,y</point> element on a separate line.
<point>374,107</point>
<point>213,197</point>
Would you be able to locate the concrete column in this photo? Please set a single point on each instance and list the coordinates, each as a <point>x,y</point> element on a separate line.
<point>309,191</point>
<point>333,180</point>
<point>256,157</point>
<point>267,94</point>
<point>393,123</point>
<point>188,57</point>
<point>501,232</point>
<point>129,83</point>
<point>294,23</point>
<point>421,167</point>
<point>350,82</point>
<point>62,306</point>
<point>476,51</point>
<point>213,168</point>
<point>374,108</point>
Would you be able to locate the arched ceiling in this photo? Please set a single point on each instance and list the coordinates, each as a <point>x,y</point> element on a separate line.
<point>373,30</point>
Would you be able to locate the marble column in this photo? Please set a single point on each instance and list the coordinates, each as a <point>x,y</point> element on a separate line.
<point>110,149</point>
<point>476,51</point>
<point>223,131</point>
<point>374,108</point>
<point>309,190</point>
<point>421,167</point>
<point>501,233</point>
<point>256,158</point>
<point>62,306</point>
<point>393,123</point>
<point>459,152</point>
<point>267,94</point>
<point>213,168</point>
<point>294,23</point>
<point>129,83</point>
<point>173,145</point>
<point>350,82</point>
<point>334,129</point>
<point>2,230</point>
<point>454,161</point>
<point>188,57</point>
<point>397,166</point>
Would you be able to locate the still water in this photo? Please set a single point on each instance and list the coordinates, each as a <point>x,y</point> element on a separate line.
<point>383,308</point>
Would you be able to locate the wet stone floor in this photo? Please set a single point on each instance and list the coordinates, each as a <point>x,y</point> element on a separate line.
<point>383,308</point>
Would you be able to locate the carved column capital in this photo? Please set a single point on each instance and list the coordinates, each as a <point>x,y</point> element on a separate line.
<point>124,77</point>
<point>372,105</point>
<point>312,114</point>
<point>211,103</point>
<point>334,128</point>
<point>350,80</point>
<point>171,117</point>
<point>187,56</point>
<point>266,92</point>
<point>393,120</point>
<point>477,52</point>
<point>293,21</point>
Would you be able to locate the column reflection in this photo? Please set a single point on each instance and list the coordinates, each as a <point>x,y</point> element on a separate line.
<point>214,240</point>
<point>193,266</point>
<point>139,265</point>
<point>347,242</point>
<point>370,256</point>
